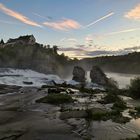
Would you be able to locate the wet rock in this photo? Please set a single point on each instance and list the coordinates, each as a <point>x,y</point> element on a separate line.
<point>56,90</point>
<point>78,74</point>
<point>81,113</point>
<point>27,83</point>
<point>98,110</point>
<point>73,114</point>
<point>97,76</point>
<point>13,135</point>
<point>8,89</point>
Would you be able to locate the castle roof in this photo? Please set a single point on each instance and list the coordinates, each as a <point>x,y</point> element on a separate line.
<point>21,38</point>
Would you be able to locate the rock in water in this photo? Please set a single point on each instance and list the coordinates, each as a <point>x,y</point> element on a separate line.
<point>97,76</point>
<point>79,74</point>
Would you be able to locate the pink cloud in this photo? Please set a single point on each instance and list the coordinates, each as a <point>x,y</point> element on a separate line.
<point>18,16</point>
<point>134,13</point>
<point>65,24</point>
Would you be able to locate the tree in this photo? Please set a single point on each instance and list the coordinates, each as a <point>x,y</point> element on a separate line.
<point>47,47</point>
<point>2,42</point>
<point>134,88</point>
<point>55,49</point>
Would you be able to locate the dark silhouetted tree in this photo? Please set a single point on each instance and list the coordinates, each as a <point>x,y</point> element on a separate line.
<point>2,42</point>
<point>55,49</point>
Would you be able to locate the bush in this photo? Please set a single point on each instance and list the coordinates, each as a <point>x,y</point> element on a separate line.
<point>110,98</point>
<point>114,115</point>
<point>56,99</point>
<point>95,116</point>
<point>134,88</point>
<point>119,105</point>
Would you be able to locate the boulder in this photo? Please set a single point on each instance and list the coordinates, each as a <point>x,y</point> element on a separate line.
<point>97,76</point>
<point>79,74</point>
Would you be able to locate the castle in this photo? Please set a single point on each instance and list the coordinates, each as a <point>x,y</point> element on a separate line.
<point>22,40</point>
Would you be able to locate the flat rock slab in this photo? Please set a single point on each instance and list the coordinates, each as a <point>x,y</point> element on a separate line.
<point>21,118</point>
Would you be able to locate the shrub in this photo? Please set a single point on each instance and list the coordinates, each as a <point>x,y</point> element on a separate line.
<point>119,105</point>
<point>55,98</point>
<point>134,88</point>
<point>114,115</point>
<point>110,98</point>
<point>95,116</point>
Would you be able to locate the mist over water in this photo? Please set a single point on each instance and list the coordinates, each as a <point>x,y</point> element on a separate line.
<point>122,79</point>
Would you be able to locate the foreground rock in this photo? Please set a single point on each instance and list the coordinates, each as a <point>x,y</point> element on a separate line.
<point>8,89</point>
<point>79,74</point>
<point>97,76</point>
<point>22,118</point>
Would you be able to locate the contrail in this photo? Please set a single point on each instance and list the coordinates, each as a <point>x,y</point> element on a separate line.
<point>100,19</point>
<point>122,31</point>
<point>47,18</point>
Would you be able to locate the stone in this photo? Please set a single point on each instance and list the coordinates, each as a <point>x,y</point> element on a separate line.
<point>79,74</point>
<point>97,76</point>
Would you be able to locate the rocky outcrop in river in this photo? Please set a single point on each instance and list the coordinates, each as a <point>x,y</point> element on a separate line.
<point>79,74</point>
<point>97,76</point>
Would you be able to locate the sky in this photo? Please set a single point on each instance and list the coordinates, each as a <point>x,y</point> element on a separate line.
<point>81,28</point>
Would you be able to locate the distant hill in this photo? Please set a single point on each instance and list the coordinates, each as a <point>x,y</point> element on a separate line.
<point>129,63</point>
<point>25,53</point>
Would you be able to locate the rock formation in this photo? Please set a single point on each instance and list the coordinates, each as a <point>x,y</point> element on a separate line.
<point>97,76</point>
<point>78,74</point>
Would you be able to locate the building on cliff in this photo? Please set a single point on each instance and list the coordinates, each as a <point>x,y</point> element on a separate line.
<point>23,40</point>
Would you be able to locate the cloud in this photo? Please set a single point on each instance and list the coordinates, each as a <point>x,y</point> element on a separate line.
<point>62,39</point>
<point>64,25</point>
<point>106,53</point>
<point>74,40</point>
<point>134,13</point>
<point>136,48</point>
<point>18,16</point>
<point>85,52</point>
<point>71,40</point>
<point>71,49</point>
<point>89,39</point>
<point>100,19</point>
<point>82,53</point>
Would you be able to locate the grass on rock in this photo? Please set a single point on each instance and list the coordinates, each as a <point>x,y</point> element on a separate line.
<point>55,98</point>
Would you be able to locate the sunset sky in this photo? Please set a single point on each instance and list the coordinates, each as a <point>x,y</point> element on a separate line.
<point>82,28</point>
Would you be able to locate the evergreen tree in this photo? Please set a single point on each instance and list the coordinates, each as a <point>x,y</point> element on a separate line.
<point>2,42</point>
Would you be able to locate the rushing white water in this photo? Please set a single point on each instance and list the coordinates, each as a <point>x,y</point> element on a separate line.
<point>19,77</point>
